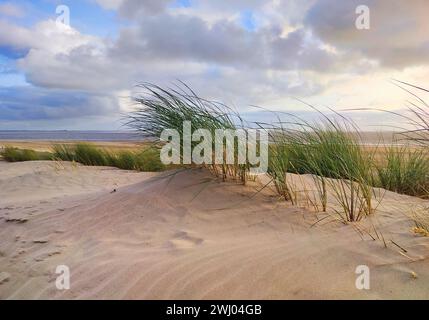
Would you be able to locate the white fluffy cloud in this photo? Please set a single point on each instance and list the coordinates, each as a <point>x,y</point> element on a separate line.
<point>47,36</point>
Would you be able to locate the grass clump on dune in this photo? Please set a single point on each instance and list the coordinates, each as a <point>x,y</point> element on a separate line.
<point>278,167</point>
<point>405,171</point>
<point>328,151</point>
<point>162,109</point>
<point>123,160</point>
<point>146,160</point>
<point>335,159</point>
<point>12,154</point>
<point>83,153</point>
<point>87,154</point>
<point>63,152</point>
<point>149,160</point>
<point>90,155</point>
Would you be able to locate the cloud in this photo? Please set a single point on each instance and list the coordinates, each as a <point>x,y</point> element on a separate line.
<point>48,36</point>
<point>11,10</point>
<point>110,4</point>
<point>135,8</point>
<point>160,47</point>
<point>57,56</point>
<point>188,38</point>
<point>138,8</point>
<point>307,48</point>
<point>29,103</point>
<point>397,37</point>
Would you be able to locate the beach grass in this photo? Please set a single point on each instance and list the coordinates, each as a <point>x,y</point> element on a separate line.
<point>278,168</point>
<point>12,154</point>
<point>405,170</point>
<point>420,217</point>
<point>147,159</point>
<point>417,116</point>
<point>160,109</point>
<point>328,150</point>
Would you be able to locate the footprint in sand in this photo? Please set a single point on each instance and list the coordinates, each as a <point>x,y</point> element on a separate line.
<point>182,240</point>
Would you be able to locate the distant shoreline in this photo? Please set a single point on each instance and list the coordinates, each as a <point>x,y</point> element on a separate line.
<point>24,137</point>
<point>370,137</point>
<point>68,135</point>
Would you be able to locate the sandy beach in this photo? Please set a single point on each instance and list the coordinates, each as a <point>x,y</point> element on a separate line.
<point>187,235</point>
<point>183,152</point>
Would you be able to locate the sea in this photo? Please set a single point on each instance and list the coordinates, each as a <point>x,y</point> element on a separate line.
<point>64,135</point>
<point>368,138</point>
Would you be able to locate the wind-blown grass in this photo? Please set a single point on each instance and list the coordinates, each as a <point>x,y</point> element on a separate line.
<point>405,171</point>
<point>330,152</point>
<point>12,154</point>
<point>278,167</point>
<point>160,109</point>
<point>90,155</point>
<point>417,117</point>
<point>146,160</point>
<point>63,152</point>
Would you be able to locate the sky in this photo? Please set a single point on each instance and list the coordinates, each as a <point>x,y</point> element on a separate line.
<point>81,73</point>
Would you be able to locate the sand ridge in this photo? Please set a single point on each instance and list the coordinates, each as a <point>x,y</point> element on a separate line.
<point>186,235</point>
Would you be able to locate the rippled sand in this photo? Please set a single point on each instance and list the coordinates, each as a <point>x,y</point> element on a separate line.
<point>188,236</point>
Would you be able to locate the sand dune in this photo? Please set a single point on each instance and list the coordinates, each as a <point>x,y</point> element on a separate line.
<point>188,236</point>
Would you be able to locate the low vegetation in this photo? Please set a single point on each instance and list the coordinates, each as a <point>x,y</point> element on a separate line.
<point>420,217</point>
<point>167,109</point>
<point>330,152</point>
<point>88,154</point>
<point>12,154</point>
<point>334,158</point>
<point>405,170</point>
